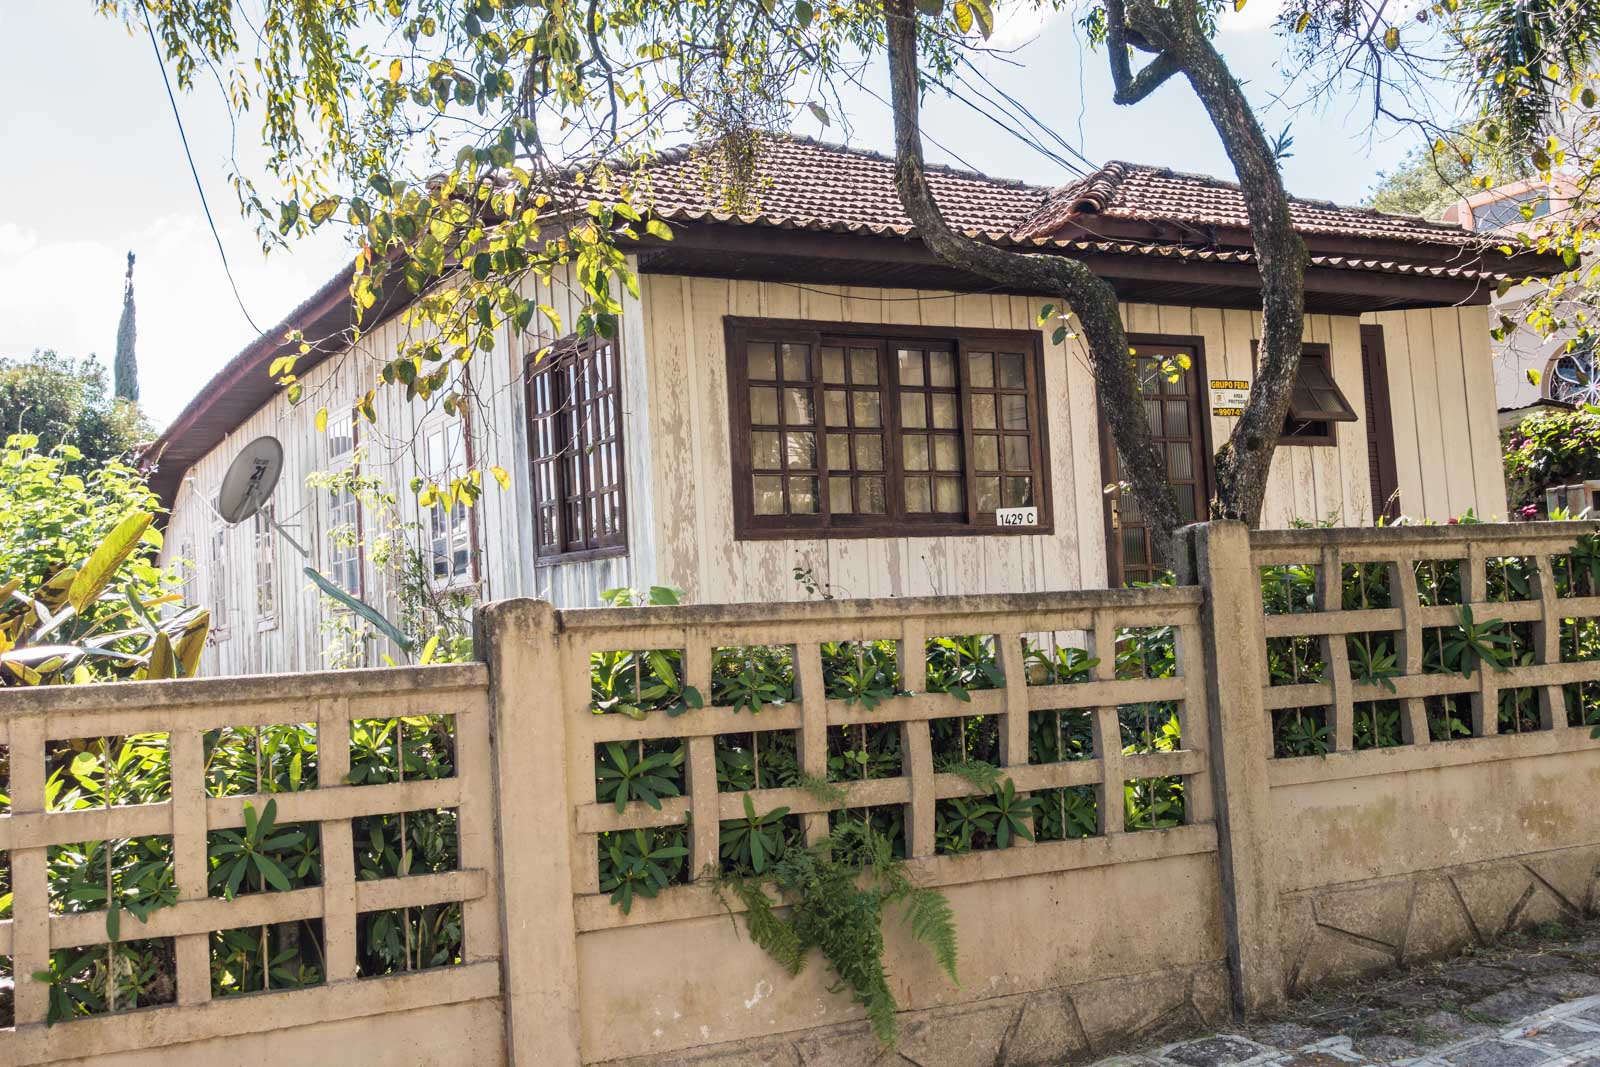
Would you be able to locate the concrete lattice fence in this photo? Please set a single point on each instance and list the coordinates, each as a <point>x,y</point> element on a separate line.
<point>1319,816</point>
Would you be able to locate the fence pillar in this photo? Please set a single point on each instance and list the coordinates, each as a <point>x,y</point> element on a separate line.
<point>1234,655</point>
<point>529,711</point>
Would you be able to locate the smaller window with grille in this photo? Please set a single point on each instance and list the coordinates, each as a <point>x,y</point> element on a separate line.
<point>266,566</point>
<point>575,449</point>
<point>217,577</point>
<point>449,520</point>
<point>343,528</point>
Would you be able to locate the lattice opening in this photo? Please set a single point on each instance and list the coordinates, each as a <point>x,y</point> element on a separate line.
<point>750,844</point>
<point>402,750</point>
<point>962,664</point>
<point>263,856</point>
<point>1152,726</point>
<point>1366,586</point>
<point>1449,716</point>
<point>762,759</point>
<point>1300,732</point>
<point>1438,581</point>
<point>134,874</point>
<point>259,959</point>
<point>8,1013</point>
<point>107,772</point>
<point>964,740</point>
<point>398,940</point>
<point>1147,652</point>
<point>1509,578</point>
<point>751,677</point>
<point>1289,589</point>
<point>1059,658</point>
<point>426,841</point>
<point>1582,701</point>
<point>261,759</point>
<point>1375,658</point>
<point>645,771</point>
<point>1580,640</point>
<point>1378,724</point>
<point>886,820</point>
<point>863,751</point>
<point>1058,735</point>
<point>1295,660</point>
<point>863,673</point>
<point>1578,572</point>
<point>637,683</point>
<point>641,863</point>
<point>1068,813</point>
<point>983,823</point>
<point>109,978</point>
<point>1153,803</point>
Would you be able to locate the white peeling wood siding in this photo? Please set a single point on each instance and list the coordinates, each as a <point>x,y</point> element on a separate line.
<point>392,450</point>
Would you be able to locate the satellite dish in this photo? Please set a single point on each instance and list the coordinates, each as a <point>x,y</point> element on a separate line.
<point>250,480</point>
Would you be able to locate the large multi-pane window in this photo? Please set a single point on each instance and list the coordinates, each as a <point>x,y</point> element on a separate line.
<point>862,430</point>
<point>575,445</point>
<point>266,568</point>
<point>344,509</point>
<point>449,521</point>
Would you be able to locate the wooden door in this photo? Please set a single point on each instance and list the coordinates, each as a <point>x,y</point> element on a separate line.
<point>1380,425</point>
<point>1180,427</point>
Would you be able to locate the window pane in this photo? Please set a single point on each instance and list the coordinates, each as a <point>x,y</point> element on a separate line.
<point>769,494</point>
<point>1177,418</point>
<point>866,408</point>
<point>1152,413</point>
<point>864,366</point>
<point>796,363</point>
<point>762,361</point>
<point>869,452</point>
<point>915,450</point>
<point>1012,374</point>
<point>764,406</point>
<point>832,365</point>
<point>802,451</point>
<point>910,366</point>
<point>913,411</point>
<point>988,494</point>
<point>980,369</point>
<point>870,495</point>
<point>1186,505</point>
<point>948,497</point>
<point>919,498</point>
<point>798,407</point>
<point>839,495</point>
<point>986,453</point>
<point>1014,412</point>
<point>1180,462</point>
<point>1018,457</point>
<point>1018,493</point>
<point>944,411</point>
<point>942,369</point>
<point>802,496</point>
<point>834,403</point>
<point>1133,544</point>
<point>983,412</point>
<point>947,452</point>
<point>838,451</point>
<point>764,452</point>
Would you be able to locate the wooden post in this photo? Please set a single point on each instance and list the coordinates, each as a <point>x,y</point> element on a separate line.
<point>529,707</point>
<point>1234,656</point>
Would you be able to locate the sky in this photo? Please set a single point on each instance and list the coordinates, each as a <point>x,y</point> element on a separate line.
<point>95,168</point>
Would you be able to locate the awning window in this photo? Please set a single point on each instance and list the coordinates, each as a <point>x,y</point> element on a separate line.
<point>1316,396</point>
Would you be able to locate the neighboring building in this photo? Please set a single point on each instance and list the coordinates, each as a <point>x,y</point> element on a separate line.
<point>1528,206</point>
<point>807,388</point>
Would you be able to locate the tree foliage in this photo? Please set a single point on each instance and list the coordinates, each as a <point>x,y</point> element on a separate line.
<point>1424,183</point>
<point>1550,448</point>
<point>65,402</point>
<point>126,366</point>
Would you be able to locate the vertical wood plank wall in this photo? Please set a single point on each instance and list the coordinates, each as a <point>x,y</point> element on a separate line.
<point>676,445</point>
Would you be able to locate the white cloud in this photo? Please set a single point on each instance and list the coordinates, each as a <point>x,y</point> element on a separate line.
<point>14,240</point>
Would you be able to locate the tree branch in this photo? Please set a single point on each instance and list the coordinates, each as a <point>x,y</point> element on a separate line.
<point>1091,298</point>
<point>1131,88</point>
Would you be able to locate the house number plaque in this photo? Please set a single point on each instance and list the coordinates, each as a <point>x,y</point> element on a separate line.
<point>1005,517</point>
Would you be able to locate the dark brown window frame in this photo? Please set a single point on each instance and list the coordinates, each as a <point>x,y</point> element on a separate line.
<point>561,356</point>
<point>1322,433</point>
<point>740,330</point>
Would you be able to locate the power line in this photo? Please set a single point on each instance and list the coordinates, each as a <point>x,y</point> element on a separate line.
<point>184,137</point>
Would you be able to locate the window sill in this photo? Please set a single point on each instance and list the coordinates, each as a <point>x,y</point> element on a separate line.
<point>580,557</point>
<point>886,533</point>
<point>264,625</point>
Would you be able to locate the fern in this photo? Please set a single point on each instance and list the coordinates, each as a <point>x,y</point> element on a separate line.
<point>777,936</point>
<point>977,773</point>
<point>821,790</point>
<point>933,922</point>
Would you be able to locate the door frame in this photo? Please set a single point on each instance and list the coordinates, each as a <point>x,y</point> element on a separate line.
<point>1207,470</point>
<point>1380,422</point>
